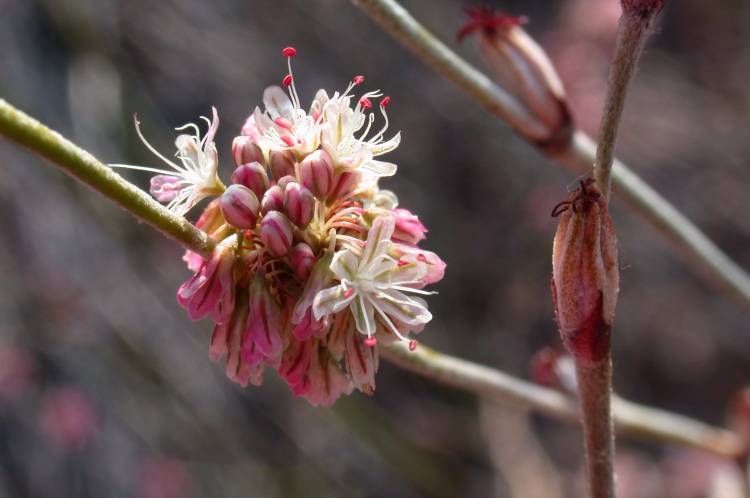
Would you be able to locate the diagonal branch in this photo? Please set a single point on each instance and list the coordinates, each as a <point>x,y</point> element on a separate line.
<point>30,133</point>
<point>694,245</point>
<point>630,418</point>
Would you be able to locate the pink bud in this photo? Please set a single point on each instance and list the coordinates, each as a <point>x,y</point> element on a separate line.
<point>240,206</point>
<point>316,173</point>
<point>282,163</point>
<point>273,200</point>
<point>263,324</point>
<point>245,150</point>
<point>253,176</point>
<point>285,180</point>
<point>303,260</point>
<point>408,227</point>
<point>276,233</point>
<point>585,274</point>
<point>299,204</point>
<point>344,184</point>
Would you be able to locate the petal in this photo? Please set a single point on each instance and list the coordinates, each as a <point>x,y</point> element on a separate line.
<point>364,315</point>
<point>387,146</point>
<point>361,363</point>
<point>379,168</point>
<point>330,301</point>
<point>381,230</point>
<point>277,103</point>
<point>410,311</point>
<point>344,265</point>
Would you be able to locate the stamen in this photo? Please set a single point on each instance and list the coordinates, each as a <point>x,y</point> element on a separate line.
<point>284,123</point>
<point>289,141</point>
<point>289,51</point>
<point>365,103</point>
<point>348,293</point>
<point>385,101</point>
<point>287,81</point>
<point>371,341</point>
<point>421,258</point>
<point>412,345</point>
<point>401,262</point>
<point>358,80</point>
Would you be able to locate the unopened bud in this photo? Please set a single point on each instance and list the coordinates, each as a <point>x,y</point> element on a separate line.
<point>276,233</point>
<point>303,260</point>
<point>344,184</point>
<point>264,322</point>
<point>299,204</point>
<point>273,200</point>
<point>285,180</point>
<point>408,227</point>
<point>281,163</point>
<point>245,150</point>
<point>585,274</point>
<point>523,69</point>
<point>316,173</point>
<point>240,206</point>
<point>253,176</point>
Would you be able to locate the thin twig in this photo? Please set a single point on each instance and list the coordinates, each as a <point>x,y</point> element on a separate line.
<point>636,420</point>
<point>30,133</point>
<point>712,262</point>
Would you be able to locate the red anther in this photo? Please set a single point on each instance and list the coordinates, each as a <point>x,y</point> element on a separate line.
<point>358,80</point>
<point>412,345</point>
<point>422,258</point>
<point>287,80</point>
<point>289,141</point>
<point>365,103</point>
<point>401,262</point>
<point>371,341</point>
<point>385,101</point>
<point>284,123</point>
<point>348,293</point>
<point>289,51</point>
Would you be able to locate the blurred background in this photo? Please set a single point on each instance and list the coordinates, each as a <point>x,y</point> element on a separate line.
<point>105,385</point>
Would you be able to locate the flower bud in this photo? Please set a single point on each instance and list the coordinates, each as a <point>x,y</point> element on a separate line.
<point>253,176</point>
<point>282,163</point>
<point>276,233</point>
<point>245,150</point>
<point>299,204</point>
<point>523,69</point>
<point>303,260</point>
<point>344,184</point>
<point>264,322</point>
<point>285,180</point>
<point>273,200</point>
<point>408,227</point>
<point>316,173</point>
<point>240,206</point>
<point>585,274</point>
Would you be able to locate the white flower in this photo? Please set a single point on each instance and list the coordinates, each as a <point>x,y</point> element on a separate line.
<point>195,178</point>
<point>373,282</point>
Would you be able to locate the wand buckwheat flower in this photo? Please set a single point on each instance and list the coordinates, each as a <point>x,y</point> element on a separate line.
<point>315,266</point>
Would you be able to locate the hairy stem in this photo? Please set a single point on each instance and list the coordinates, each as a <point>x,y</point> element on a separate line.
<point>710,261</point>
<point>30,133</point>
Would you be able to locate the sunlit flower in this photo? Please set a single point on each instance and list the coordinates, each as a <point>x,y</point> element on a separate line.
<point>373,284</point>
<point>195,178</point>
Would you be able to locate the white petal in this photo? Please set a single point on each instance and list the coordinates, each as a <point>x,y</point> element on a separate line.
<point>387,146</point>
<point>344,265</point>
<point>380,168</point>
<point>277,103</point>
<point>410,311</point>
<point>330,301</point>
<point>364,315</point>
<point>381,231</point>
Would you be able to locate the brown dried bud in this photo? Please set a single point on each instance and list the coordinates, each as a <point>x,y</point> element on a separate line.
<point>585,273</point>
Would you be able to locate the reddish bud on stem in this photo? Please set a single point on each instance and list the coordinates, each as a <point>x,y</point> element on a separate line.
<point>585,274</point>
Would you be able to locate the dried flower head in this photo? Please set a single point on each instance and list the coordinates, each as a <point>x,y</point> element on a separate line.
<point>585,273</point>
<point>315,266</point>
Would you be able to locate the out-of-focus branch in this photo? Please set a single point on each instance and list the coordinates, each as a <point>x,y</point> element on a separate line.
<point>61,152</point>
<point>630,418</point>
<point>579,156</point>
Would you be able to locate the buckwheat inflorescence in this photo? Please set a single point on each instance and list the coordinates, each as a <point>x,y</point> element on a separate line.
<point>315,266</point>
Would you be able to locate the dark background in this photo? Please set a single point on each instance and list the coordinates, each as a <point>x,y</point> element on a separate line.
<point>105,384</point>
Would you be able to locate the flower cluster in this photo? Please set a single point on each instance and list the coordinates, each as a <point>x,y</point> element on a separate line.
<point>315,266</point>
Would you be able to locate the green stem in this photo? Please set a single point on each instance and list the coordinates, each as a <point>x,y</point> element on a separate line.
<point>33,135</point>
